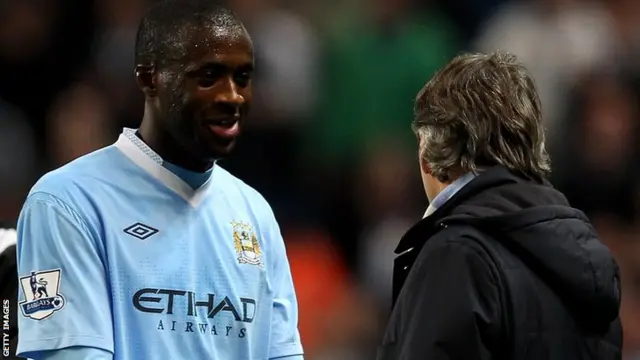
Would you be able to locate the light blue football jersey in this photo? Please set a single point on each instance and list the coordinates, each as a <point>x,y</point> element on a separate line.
<point>117,253</point>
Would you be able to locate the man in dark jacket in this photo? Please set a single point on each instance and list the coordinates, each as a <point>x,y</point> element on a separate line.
<point>501,266</point>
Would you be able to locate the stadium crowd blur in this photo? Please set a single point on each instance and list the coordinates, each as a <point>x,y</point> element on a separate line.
<point>329,142</point>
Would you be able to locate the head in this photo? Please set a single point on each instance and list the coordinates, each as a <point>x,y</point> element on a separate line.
<point>479,111</point>
<point>194,63</point>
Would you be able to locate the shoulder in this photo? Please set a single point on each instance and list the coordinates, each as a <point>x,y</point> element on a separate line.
<point>69,191</point>
<point>238,190</point>
<point>459,242</point>
<point>74,180</point>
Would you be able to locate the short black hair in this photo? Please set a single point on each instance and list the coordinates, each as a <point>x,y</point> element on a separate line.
<point>162,32</point>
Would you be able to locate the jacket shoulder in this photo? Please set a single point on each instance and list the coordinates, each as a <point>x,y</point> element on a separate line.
<point>462,234</point>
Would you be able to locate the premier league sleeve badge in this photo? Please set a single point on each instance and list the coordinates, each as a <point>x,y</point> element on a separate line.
<point>41,291</point>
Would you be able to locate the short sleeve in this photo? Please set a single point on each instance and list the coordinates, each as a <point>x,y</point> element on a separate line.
<point>63,296</point>
<point>285,338</point>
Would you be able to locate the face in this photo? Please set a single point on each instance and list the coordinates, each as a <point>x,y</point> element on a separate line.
<point>205,99</point>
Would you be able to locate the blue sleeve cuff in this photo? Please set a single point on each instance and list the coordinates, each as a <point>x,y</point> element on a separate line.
<point>292,357</point>
<point>291,351</point>
<point>72,353</point>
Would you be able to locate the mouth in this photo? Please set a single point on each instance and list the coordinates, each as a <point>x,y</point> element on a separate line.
<point>227,128</point>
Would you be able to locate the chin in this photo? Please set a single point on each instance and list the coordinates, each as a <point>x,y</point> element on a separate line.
<point>221,150</point>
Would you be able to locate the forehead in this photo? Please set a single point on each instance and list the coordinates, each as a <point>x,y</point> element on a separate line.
<point>230,46</point>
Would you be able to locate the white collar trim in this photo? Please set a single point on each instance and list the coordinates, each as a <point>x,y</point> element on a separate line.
<point>143,156</point>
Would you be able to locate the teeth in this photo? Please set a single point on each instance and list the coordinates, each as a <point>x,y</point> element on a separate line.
<point>224,122</point>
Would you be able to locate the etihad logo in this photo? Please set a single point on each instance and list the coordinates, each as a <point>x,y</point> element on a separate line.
<point>186,308</point>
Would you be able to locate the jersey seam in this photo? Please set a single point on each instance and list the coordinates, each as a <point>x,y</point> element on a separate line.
<point>68,208</point>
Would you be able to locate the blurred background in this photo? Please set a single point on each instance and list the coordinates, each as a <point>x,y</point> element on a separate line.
<point>329,143</point>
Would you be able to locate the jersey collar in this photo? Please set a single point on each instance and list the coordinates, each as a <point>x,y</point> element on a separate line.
<point>147,159</point>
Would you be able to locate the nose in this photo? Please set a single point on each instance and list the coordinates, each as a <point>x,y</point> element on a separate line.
<point>228,93</point>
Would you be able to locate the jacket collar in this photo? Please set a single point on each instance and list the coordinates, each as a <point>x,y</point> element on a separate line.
<point>430,225</point>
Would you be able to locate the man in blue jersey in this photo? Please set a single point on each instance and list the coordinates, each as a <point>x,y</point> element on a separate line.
<point>147,249</point>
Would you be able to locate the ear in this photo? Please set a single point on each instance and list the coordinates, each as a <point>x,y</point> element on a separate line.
<point>424,166</point>
<point>146,79</point>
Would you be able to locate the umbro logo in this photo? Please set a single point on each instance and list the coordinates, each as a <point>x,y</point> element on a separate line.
<point>140,231</point>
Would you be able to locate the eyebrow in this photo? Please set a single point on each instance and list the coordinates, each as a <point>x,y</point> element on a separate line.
<point>193,67</point>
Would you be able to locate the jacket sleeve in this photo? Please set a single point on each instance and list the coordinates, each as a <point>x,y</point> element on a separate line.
<point>451,306</point>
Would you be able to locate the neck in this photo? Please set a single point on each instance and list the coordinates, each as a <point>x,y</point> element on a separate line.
<point>436,186</point>
<point>436,189</point>
<point>165,145</point>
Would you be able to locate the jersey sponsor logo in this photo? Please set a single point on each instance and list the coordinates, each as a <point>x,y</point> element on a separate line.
<point>41,290</point>
<point>246,244</point>
<point>190,311</point>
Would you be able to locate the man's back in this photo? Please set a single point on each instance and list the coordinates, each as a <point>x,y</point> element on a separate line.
<point>513,272</point>
<point>128,258</point>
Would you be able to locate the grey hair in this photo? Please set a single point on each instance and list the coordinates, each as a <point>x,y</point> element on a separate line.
<point>478,111</point>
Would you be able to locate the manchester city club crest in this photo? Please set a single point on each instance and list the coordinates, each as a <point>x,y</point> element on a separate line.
<point>41,290</point>
<point>246,244</point>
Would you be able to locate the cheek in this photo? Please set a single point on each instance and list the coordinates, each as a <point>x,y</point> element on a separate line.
<point>188,112</point>
<point>195,103</point>
<point>247,93</point>
<point>168,97</point>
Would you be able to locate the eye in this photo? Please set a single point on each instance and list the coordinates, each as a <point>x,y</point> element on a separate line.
<point>242,78</point>
<point>208,78</point>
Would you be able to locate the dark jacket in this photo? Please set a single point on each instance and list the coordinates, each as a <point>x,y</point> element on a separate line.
<point>9,292</point>
<point>506,269</point>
